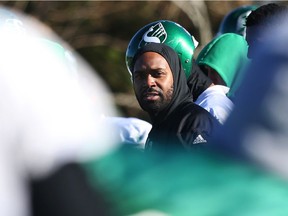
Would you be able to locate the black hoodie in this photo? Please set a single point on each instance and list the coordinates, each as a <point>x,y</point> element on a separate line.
<point>182,123</point>
<point>197,82</point>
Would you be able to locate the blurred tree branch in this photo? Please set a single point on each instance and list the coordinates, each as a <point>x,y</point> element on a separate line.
<point>197,12</point>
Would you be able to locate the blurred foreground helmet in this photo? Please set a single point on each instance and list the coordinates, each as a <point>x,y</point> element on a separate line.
<point>234,21</point>
<point>49,117</point>
<point>10,21</point>
<point>170,33</point>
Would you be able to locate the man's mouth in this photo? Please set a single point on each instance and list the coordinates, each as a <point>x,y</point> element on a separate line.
<point>151,96</point>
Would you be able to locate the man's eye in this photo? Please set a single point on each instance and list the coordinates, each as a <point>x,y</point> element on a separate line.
<point>158,73</point>
<point>138,75</point>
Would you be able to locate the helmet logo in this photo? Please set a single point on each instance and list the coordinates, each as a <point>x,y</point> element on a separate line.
<point>155,34</point>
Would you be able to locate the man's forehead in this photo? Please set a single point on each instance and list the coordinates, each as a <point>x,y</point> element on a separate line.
<point>150,57</point>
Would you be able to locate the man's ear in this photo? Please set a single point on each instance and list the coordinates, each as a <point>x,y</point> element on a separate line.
<point>249,53</point>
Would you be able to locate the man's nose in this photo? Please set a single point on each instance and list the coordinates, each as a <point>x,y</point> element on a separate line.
<point>151,81</point>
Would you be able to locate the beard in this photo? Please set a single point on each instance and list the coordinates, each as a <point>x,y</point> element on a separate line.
<point>153,107</point>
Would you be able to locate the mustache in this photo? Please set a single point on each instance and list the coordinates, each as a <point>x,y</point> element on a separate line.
<point>152,90</point>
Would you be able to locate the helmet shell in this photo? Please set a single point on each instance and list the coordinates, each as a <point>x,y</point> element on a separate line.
<point>168,32</point>
<point>234,21</point>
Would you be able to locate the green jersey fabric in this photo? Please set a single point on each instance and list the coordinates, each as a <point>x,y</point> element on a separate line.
<point>200,183</point>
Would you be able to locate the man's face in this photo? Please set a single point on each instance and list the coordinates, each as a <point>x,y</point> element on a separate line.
<point>153,82</point>
<point>253,39</point>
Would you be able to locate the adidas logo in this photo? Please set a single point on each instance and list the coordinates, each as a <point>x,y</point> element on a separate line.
<point>199,139</point>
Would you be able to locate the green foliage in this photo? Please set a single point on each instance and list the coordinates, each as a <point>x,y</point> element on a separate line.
<point>110,65</point>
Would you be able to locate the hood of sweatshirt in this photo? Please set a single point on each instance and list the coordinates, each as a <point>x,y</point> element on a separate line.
<point>226,54</point>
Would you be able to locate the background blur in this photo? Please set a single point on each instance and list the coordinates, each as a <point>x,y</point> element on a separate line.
<point>100,32</point>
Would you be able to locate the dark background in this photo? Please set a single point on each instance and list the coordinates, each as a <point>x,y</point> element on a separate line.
<point>100,32</point>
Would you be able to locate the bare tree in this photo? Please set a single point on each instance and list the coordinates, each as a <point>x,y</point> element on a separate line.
<point>198,13</point>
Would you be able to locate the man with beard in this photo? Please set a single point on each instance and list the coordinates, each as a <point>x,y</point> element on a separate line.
<point>161,89</point>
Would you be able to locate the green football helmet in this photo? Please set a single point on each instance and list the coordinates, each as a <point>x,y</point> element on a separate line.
<point>170,33</point>
<point>234,21</point>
